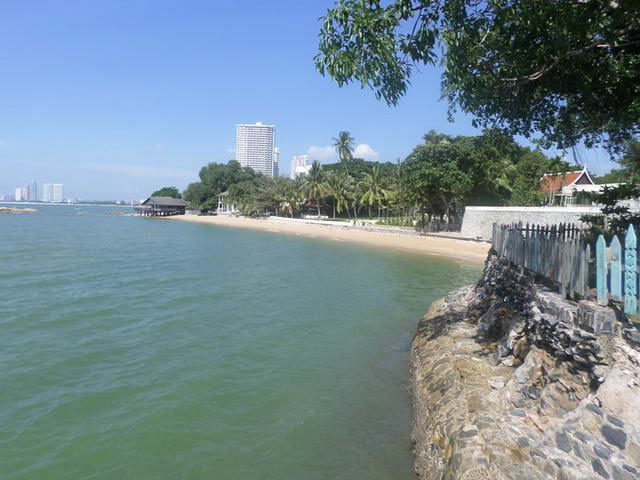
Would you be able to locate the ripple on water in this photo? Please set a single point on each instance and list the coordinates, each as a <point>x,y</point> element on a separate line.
<point>203,352</point>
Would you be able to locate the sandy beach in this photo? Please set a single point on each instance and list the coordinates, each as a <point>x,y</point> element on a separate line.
<point>466,250</point>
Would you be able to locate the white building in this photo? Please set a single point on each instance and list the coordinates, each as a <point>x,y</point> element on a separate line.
<point>18,194</point>
<point>58,192</point>
<point>276,162</point>
<point>47,192</point>
<point>33,192</point>
<point>225,208</point>
<point>255,147</point>
<point>300,165</point>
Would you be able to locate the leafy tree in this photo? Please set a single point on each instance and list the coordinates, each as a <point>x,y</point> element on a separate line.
<point>172,192</point>
<point>338,187</point>
<point>616,216</point>
<point>567,70</point>
<point>617,175</point>
<point>343,144</point>
<point>374,193</point>
<point>630,160</point>
<point>314,186</point>
<point>434,180</point>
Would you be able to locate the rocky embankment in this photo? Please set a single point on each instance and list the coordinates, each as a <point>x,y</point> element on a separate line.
<point>511,381</point>
<point>17,210</point>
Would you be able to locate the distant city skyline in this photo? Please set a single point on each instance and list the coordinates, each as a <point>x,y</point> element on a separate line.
<point>146,93</point>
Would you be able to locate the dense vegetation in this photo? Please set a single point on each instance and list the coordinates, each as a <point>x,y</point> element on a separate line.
<point>435,181</point>
<point>564,70</point>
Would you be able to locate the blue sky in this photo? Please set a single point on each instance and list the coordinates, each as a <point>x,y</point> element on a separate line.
<point>115,98</point>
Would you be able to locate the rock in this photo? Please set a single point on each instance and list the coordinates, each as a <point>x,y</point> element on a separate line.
<point>602,450</point>
<point>598,467</point>
<point>496,383</point>
<point>614,436</point>
<point>562,442</point>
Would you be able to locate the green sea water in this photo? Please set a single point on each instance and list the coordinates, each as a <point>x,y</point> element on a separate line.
<point>134,348</point>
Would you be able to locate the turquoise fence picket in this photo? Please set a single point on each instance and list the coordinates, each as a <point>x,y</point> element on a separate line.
<point>630,272</point>
<point>601,271</point>
<point>615,260</point>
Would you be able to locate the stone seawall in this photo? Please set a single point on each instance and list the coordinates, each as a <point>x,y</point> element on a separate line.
<point>511,381</point>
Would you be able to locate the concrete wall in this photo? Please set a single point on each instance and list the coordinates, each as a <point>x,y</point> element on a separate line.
<point>477,221</point>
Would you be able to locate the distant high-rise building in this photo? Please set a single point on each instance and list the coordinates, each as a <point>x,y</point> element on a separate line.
<point>276,162</point>
<point>18,194</point>
<point>24,193</point>
<point>58,192</point>
<point>255,147</point>
<point>33,192</point>
<point>47,192</point>
<point>299,166</point>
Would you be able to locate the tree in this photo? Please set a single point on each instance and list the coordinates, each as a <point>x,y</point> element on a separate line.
<point>374,192</point>
<point>338,186</point>
<point>172,192</point>
<point>314,187</point>
<point>343,144</point>
<point>434,180</point>
<point>567,70</point>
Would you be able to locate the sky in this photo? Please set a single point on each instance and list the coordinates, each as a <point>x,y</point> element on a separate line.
<point>117,98</point>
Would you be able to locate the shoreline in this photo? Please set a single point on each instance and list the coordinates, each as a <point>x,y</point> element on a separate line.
<point>466,250</point>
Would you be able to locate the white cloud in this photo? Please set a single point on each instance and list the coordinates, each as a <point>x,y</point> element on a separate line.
<point>231,150</point>
<point>158,147</point>
<point>324,154</point>
<point>365,151</point>
<point>329,154</point>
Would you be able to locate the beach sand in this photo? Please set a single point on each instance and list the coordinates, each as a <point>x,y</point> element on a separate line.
<point>475,252</point>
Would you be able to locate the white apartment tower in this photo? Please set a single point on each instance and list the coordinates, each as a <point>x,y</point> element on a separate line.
<point>47,192</point>
<point>58,192</point>
<point>299,166</point>
<point>276,162</point>
<point>255,147</point>
<point>18,196</point>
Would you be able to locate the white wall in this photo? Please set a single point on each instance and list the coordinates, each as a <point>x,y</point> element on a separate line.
<point>477,221</point>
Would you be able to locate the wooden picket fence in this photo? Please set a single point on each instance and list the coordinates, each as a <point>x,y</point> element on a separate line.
<point>561,254</point>
<point>558,253</point>
<point>615,279</point>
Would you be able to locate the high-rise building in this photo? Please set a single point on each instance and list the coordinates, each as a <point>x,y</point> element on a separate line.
<point>299,166</point>
<point>18,194</point>
<point>24,193</point>
<point>47,192</point>
<point>58,192</point>
<point>255,147</point>
<point>276,162</point>
<point>33,191</point>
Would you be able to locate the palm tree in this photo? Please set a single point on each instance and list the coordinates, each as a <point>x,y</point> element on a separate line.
<point>314,187</point>
<point>338,186</point>
<point>374,192</point>
<point>343,144</point>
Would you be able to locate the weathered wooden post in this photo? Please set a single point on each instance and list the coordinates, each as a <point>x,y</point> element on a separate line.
<point>630,272</point>
<point>616,269</point>
<point>601,271</point>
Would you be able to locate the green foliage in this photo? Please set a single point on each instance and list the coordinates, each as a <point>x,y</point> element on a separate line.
<point>615,217</point>
<point>314,187</point>
<point>344,146</point>
<point>567,70</point>
<point>434,180</point>
<point>172,192</point>
<point>216,178</point>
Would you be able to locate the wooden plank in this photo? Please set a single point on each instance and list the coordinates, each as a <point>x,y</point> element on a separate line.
<point>615,272</point>
<point>630,272</point>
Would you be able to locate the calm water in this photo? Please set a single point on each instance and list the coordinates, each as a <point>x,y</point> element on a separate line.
<point>144,349</point>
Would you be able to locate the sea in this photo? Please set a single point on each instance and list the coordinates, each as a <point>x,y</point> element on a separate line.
<point>140,348</point>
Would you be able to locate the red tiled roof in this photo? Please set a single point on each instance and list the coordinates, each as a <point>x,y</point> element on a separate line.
<point>553,182</point>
